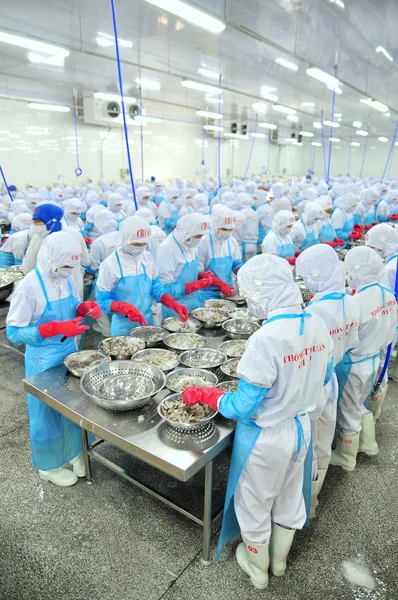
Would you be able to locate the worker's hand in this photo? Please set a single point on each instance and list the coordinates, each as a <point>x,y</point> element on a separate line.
<point>339,242</point>
<point>331,244</point>
<point>88,240</point>
<point>225,289</point>
<point>200,284</point>
<point>196,395</point>
<point>131,312</point>
<point>205,274</point>
<point>180,309</point>
<point>298,252</point>
<point>68,329</point>
<point>367,227</point>
<point>91,309</point>
<point>356,236</point>
<point>291,261</point>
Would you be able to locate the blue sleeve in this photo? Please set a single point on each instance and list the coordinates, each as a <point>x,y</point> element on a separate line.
<point>24,335</point>
<point>88,227</point>
<point>177,290</point>
<point>169,222</point>
<point>17,261</point>
<point>157,289</point>
<point>382,219</point>
<point>105,300</point>
<point>329,371</point>
<point>236,265</point>
<point>341,234</point>
<point>13,231</point>
<point>90,270</point>
<point>243,403</point>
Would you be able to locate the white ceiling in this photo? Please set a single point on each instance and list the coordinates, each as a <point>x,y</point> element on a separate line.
<point>307,32</point>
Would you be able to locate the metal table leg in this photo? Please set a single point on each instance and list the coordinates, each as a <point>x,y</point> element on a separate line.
<point>86,456</point>
<point>207,513</point>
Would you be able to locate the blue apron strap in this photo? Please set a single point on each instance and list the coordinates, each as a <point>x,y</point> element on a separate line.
<point>211,244</point>
<point>43,287</point>
<point>302,221</point>
<point>229,248</point>
<point>301,316</point>
<point>180,247</point>
<point>70,287</point>
<point>120,264</point>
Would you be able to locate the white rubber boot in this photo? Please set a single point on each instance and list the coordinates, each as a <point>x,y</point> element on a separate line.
<point>321,479</point>
<point>62,477</point>
<point>376,401</point>
<point>280,544</point>
<point>314,498</point>
<point>345,453</point>
<point>367,437</point>
<point>253,558</point>
<point>78,465</point>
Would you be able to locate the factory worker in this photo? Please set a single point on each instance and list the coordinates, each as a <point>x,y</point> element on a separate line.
<point>200,203</point>
<point>343,216</point>
<point>282,203</point>
<point>143,195</point>
<point>249,226</point>
<point>281,373</point>
<point>45,307</point>
<point>168,212</point>
<point>46,220</point>
<point>279,240</point>
<point>107,242</point>
<point>14,248</point>
<point>115,204</point>
<point>327,232</point>
<point>157,235</point>
<point>383,209</point>
<point>13,190</point>
<point>57,195</point>
<point>128,280</point>
<point>365,212</point>
<point>277,190</point>
<point>32,200</point>
<point>17,207</point>
<point>178,263</point>
<point>21,222</point>
<point>393,204</point>
<point>265,214</point>
<point>219,252</point>
<point>358,369</point>
<point>105,185</point>
<point>158,195</point>
<point>324,276</point>
<point>71,218</point>
<point>305,232</point>
<point>186,201</point>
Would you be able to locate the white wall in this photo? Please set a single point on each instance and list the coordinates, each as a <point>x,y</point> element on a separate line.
<point>36,147</point>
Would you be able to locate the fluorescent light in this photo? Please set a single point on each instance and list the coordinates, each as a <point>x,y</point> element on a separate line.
<point>115,97</point>
<point>329,80</point>
<point>308,104</point>
<point>286,63</point>
<point>386,114</point>
<point>207,113</point>
<point>207,73</point>
<point>210,100</point>
<point>202,87</point>
<point>331,124</point>
<point>148,84</point>
<point>293,118</point>
<point>384,51</point>
<point>338,115</point>
<point>237,136</point>
<point>106,40</point>
<point>284,109</point>
<point>317,125</point>
<point>213,128</point>
<point>268,96</point>
<point>396,144</point>
<point>316,144</point>
<point>23,42</point>
<point>382,139</point>
<point>356,144</point>
<point>191,14</point>
<point>339,3</point>
<point>268,125</point>
<point>260,107</point>
<point>306,134</point>
<point>337,90</point>
<point>333,139</point>
<point>51,107</point>
<point>362,132</point>
<point>258,135</point>
<point>144,119</point>
<point>357,124</point>
<point>41,59</point>
<point>375,104</point>
<point>267,89</point>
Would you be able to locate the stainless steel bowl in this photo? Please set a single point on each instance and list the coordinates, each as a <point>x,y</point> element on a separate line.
<point>154,356</point>
<point>122,385</point>
<point>240,329</point>
<point>5,291</point>
<point>210,317</point>
<point>237,298</point>
<point>132,344</point>
<point>182,341</point>
<point>210,358</point>
<point>181,425</point>
<point>233,348</point>
<point>226,367</point>
<point>78,362</point>
<point>152,336</point>
<point>243,313</point>
<point>222,304</point>
<point>174,325</point>
<point>229,386</point>
<point>305,293</point>
<point>207,379</point>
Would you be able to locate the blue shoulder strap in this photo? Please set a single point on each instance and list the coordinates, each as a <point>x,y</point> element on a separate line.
<point>120,264</point>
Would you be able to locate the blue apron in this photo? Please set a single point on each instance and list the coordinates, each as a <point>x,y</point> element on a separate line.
<point>221,266</point>
<point>327,233</point>
<point>246,435</point>
<point>347,228</point>
<point>310,239</point>
<point>136,290</point>
<point>170,223</point>
<point>285,250</point>
<point>54,439</point>
<point>261,234</point>
<point>189,273</point>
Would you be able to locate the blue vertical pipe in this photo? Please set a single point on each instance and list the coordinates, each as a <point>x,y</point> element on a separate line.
<point>364,156</point>
<point>78,170</point>
<point>119,72</point>
<point>324,149</point>
<point>389,157</point>
<point>331,135</point>
<point>5,183</point>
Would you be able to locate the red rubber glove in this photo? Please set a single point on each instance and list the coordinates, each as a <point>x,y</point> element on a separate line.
<point>200,284</point>
<point>70,328</point>
<point>298,252</point>
<point>367,227</point>
<point>331,244</point>
<point>131,312</point>
<point>355,236</point>
<point>225,289</point>
<point>339,242</point>
<point>291,261</point>
<point>88,308</point>
<point>196,395</point>
<point>180,309</point>
<point>205,274</point>
<point>394,218</point>
<point>88,240</point>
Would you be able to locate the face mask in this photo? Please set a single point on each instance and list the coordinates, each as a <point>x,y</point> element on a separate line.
<point>224,235</point>
<point>73,217</point>
<point>117,208</point>
<point>193,242</point>
<point>63,272</point>
<point>173,200</point>
<point>40,230</point>
<point>134,250</point>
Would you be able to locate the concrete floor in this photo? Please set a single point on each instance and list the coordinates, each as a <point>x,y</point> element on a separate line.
<point>109,541</point>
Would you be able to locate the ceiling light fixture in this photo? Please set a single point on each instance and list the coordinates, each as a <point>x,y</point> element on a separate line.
<point>51,107</point>
<point>362,132</point>
<point>260,107</point>
<point>316,144</point>
<point>337,90</point>
<point>286,63</point>
<point>355,144</point>
<point>320,75</point>
<point>308,104</point>
<point>210,74</point>
<point>331,124</point>
<point>267,89</point>
<point>236,136</point>
<point>333,139</point>
<point>210,100</point>
<point>384,51</point>
<point>386,114</point>
<point>268,125</point>
<point>293,118</point>
<point>308,134</point>
<point>105,40</point>
<point>148,84</point>
<point>339,3</point>
<point>357,124</point>
<point>338,115</point>
<point>317,125</point>
<point>201,87</point>
<point>29,44</point>
<point>382,139</point>
<point>209,114</point>
<point>268,96</point>
<point>258,135</point>
<point>41,59</point>
<point>283,109</point>
<point>375,104</point>
<point>191,14</point>
<point>115,97</point>
<point>213,128</point>
<point>144,119</point>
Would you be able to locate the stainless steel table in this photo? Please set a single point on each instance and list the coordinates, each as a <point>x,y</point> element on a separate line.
<point>142,434</point>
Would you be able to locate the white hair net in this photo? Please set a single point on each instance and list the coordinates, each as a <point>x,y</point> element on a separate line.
<point>19,206</point>
<point>266,281</point>
<point>104,221</point>
<point>222,216</point>
<point>59,249</point>
<point>142,192</point>
<point>92,198</point>
<point>74,205</point>
<point>260,197</point>
<point>371,196</point>
<point>135,229</point>
<point>191,225</point>
<point>32,200</point>
<point>57,194</point>
<point>200,202</point>
<point>115,202</point>
<point>244,200</point>
<point>383,239</point>
<point>21,221</point>
<point>363,266</point>
<point>312,213</point>
<point>277,190</point>
<point>283,221</point>
<point>146,214</point>
<point>321,269</point>
<point>347,202</point>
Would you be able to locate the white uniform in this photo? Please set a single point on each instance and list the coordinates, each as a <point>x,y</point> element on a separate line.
<point>299,232</point>
<point>221,248</point>
<point>249,232</point>
<point>17,244</point>
<point>102,247</point>
<point>272,243</point>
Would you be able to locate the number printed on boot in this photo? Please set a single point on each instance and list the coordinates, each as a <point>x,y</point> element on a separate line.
<point>345,441</point>
<point>251,549</point>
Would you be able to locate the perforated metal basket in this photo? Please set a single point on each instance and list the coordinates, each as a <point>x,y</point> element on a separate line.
<point>202,358</point>
<point>210,317</point>
<point>181,425</point>
<point>206,379</point>
<point>122,385</point>
<point>222,304</point>
<point>131,346</point>
<point>152,336</point>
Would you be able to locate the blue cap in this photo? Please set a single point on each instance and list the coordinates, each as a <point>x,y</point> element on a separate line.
<point>153,178</point>
<point>12,188</point>
<point>50,215</point>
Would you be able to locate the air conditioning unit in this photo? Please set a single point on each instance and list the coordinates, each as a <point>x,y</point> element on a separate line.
<point>108,112</point>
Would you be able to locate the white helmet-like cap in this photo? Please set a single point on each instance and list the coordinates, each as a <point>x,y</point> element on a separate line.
<point>104,220</point>
<point>321,269</point>
<point>191,225</point>
<point>277,190</point>
<point>58,250</point>
<point>383,239</point>
<point>200,202</point>
<point>146,214</point>
<point>347,202</point>
<point>363,266</point>
<point>74,205</point>
<point>222,216</point>
<point>283,222</point>
<point>115,202</point>
<point>143,192</point>
<point>135,230</point>
<point>244,200</point>
<point>312,213</point>
<point>266,281</point>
